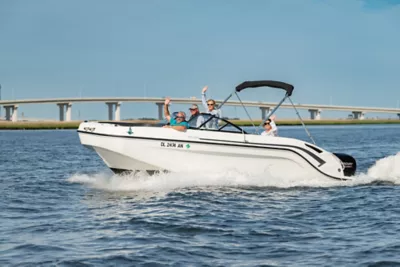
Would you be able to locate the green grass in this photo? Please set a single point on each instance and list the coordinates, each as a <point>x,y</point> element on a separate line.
<point>40,125</point>
<point>318,122</point>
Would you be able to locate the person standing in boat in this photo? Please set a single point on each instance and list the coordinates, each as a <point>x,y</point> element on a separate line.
<point>178,123</point>
<point>270,127</point>
<point>194,111</point>
<point>210,108</point>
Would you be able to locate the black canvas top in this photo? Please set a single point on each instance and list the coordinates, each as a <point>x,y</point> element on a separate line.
<point>275,84</point>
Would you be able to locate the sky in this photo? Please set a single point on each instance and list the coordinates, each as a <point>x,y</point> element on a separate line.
<point>341,52</point>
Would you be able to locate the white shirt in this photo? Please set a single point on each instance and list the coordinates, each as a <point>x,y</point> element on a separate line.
<point>212,124</point>
<point>273,131</point>
<point>196,122</point>
<point>200,121</point>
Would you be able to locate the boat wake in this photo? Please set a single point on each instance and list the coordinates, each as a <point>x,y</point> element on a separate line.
<point>386,170</point>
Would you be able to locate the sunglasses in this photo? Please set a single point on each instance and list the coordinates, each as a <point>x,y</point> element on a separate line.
<point>179,117</point>
<point>192,109</point>
<point>208,104</point>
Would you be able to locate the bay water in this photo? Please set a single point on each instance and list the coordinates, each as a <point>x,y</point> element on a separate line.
<point>61,206</point>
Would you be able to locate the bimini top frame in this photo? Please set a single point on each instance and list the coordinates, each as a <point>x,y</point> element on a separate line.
<point>267,83</point>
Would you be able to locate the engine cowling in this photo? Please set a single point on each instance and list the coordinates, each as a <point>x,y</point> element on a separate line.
<point>349,163</point>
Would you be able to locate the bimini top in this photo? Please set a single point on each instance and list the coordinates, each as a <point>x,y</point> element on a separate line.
<point>275,84</point>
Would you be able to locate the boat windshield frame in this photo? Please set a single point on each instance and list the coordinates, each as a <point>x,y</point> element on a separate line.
<point>219,129</point>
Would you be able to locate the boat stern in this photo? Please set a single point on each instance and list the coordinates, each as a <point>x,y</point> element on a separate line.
<point>348,162</point>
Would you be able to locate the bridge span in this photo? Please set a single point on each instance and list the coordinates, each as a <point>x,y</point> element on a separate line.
<point>114,106</point>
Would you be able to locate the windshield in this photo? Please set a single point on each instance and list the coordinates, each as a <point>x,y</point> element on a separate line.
<point>206,121</point>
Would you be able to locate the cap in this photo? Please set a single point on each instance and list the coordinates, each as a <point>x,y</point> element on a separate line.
<point>194,106</point>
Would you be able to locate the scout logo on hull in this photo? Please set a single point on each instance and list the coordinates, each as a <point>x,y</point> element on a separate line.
<point>89,129</point>
<point>130,131</point>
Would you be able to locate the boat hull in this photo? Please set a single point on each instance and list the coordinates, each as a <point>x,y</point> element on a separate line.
<point>154,149</point>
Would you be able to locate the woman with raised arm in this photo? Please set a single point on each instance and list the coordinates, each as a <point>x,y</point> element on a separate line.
<point>210,108</point>
<point>270,127</point>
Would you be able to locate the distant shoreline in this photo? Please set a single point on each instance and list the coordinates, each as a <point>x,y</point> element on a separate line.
<point>321,122</point>
<point>73,125</point>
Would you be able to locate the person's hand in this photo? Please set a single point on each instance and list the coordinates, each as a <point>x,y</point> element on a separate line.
<point>167,101</point>
<point>204,89</point>
<point>273,117</point>
<point>166,126</point>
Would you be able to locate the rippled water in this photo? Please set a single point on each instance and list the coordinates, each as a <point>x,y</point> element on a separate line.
<point>61,206</point>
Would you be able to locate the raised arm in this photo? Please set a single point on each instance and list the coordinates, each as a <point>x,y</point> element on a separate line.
<point>273,126</point>
<point>203,97</point>
<point>274,129</point>
<point>166,110</point>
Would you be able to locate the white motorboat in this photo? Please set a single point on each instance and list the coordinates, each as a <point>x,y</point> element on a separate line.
<point>138,147</point>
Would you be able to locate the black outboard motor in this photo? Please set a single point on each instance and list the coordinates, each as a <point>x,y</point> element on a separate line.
<point>349,163</point>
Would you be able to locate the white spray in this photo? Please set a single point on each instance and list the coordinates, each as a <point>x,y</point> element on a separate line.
<point>386,169</point>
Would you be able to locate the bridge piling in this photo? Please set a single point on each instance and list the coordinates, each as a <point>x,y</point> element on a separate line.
<point>11,112</point>
<point>8,109</point>
<point>264,112</point>
<point>68,111</point>
<point>65,111</point>
<point>110,111</point>
<point>118,111</point>
<point>61,107</point>
<point>358,115</point>
<point>315,114</point>
<point>160,110</point>
<point>114,111</point>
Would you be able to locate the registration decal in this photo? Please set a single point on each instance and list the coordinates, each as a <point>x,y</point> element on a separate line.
<point>171,144</point>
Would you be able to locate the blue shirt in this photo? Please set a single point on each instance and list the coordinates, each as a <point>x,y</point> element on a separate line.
<point>173,122</point>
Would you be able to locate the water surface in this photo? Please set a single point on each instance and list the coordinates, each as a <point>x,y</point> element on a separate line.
<point>61,206</point>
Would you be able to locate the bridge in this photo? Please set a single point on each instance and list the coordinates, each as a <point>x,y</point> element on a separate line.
<point>114,106</point>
